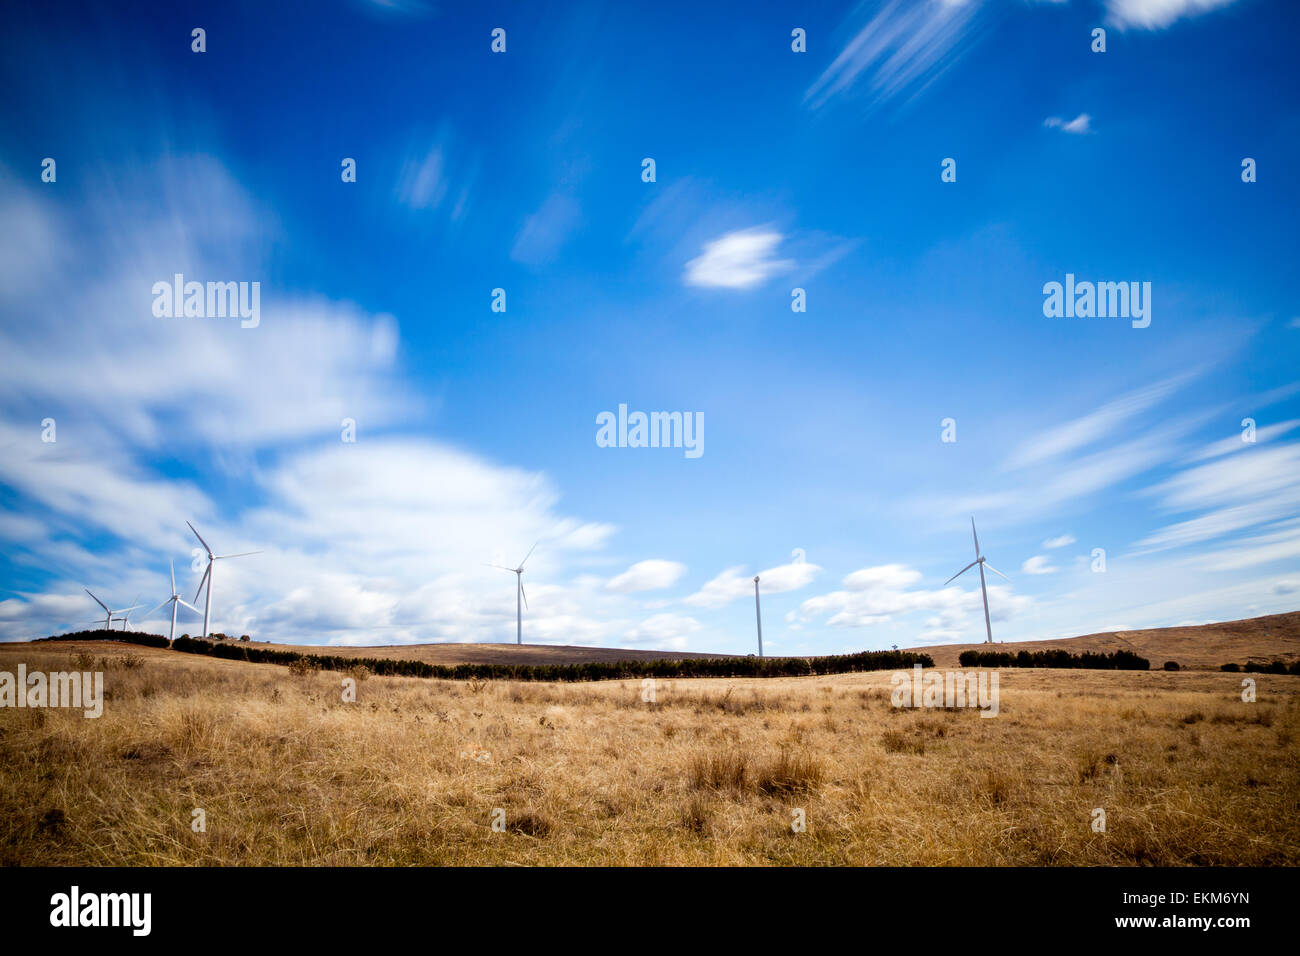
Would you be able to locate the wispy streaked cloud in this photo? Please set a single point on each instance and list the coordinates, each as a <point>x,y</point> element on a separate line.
<point>1094,427</point>
<point>1060,542</point>
<point>899,51</point>
<point>649,575</point>
<point>1080,124</point>
<point>546,230</point>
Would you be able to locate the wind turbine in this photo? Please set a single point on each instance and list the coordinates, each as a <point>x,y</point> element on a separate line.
<point>108,614</point>
<point>758,613</point>
<point>979,559</point>
<point>126,613</point>
<point>173,601</point>
<point>207,576</point>
<point>519,591</point>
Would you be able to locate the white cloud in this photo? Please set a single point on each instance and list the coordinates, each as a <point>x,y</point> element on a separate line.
<point>886,576</point>
<point>876,595</point>
<point>377,541</point>
<point>1038,564</point>
<point>647,576</point>
<point>1156,14</point>
<point>1060,542</point>
<point>1080,124</point>
<point>663,631</point>
<point>737,260</point>
<point>737,582</point>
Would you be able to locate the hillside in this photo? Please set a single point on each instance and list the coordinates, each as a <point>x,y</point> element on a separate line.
<point>1199,647</point>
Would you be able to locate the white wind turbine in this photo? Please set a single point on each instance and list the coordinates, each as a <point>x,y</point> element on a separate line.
<point>174,600</point>
<point>126,612</point>
<point>108,614</point>
<point>758,614</point>
<point>207,575</point>
<point>519,591</point>
<point>979,559</point>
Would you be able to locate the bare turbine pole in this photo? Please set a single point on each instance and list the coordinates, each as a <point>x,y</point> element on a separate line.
<point>758,614</point>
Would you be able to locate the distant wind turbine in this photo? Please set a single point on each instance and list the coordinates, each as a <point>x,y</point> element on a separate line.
<point>519,591</point>
<point>108,614</point>
<point>126,613</point>
<point>207,575</point>
<point>758,613</point>
<point>174,600</point>
<point>979,559</point>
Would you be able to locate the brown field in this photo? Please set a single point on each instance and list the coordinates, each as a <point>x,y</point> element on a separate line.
<point>711,773</point>
<point>1203,647</point>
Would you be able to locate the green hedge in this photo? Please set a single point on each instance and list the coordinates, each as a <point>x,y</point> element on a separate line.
<point>129,637</point>
<point>1117,661</point>
<point>594,670</point>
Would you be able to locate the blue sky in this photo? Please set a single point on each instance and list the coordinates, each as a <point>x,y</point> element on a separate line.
<point>775,170</point>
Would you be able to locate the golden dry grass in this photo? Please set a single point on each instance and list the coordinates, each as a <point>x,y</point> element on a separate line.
<point>711,773</point>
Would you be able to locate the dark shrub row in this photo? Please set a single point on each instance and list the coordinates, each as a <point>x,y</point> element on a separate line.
<point>1116,661</point>
<point>596,670</point>
<point>1272,667</point>
<point>129,637</point>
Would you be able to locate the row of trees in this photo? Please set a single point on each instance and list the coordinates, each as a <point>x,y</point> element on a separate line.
<point>1258,667</point>
<point>129,637</point>
<point>1115,661</point>
<point>593,670</point>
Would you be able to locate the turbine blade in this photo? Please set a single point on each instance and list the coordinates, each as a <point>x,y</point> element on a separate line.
<point>160,606</point>
<point>975,536</point>
<point>201,541</point>
<point>181,600</point>
<point>522,592</point>
<point>995,571</point>
<point>242,554</point>
<point>203,581</point>
<point>172,564</point>
<point>97,600</point>
<point>503,568</point>
<point>961,572</point>
<point>530,552</point>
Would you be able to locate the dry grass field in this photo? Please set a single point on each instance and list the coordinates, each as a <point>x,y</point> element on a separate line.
<point>286,772</point>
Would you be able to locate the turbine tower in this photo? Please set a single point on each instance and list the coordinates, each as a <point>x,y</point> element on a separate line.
<point>758,613</point>
<point>207,575</point>
<point>979,559</point>
<point>519,591</point>
<point>174,600</point>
